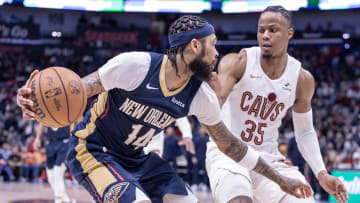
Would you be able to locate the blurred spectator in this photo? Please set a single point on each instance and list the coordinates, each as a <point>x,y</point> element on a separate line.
<point>329,27</point>
<point>319,28</point>
<point>5,170</point>
<point>356,157</point>
<point>308,27</point>
<point>12,137</point>
<point>192,161</point>
<point>10,120</point>
<point>350,145</point>
<point>171,147</point>
<point>348,161</point>
<point>30,165</point>
<point>39,161</point>
<point>199,165</point>
<point>295,155</point>
<point>5,151</point>
<point>15,162</point>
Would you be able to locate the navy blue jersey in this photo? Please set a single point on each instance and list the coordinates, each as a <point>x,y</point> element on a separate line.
<point>125,121</point>
<point>58,134</point>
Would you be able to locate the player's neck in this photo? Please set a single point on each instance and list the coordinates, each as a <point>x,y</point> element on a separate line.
<point>173,79</point>
<point>274,66</point>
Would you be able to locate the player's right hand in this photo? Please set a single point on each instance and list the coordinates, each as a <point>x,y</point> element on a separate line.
<point>295,187</point>
<point>23,101</point>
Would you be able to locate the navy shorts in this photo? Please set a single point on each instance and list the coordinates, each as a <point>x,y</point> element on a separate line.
<point>56,153</point>
<point>106,176</point>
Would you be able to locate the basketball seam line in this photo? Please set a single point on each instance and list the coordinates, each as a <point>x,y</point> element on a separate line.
<point>42,98</point>
<point>67,102</point>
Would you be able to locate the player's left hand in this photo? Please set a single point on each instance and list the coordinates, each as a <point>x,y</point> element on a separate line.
<point>295,187</point>
<point>333,186</point>
<point>189,145</point>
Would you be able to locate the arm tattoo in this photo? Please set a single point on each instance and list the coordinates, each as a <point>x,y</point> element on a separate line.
<point>226,142</point>
<point>264,169</point>
<point>236,149</point>
<point>93,84</point>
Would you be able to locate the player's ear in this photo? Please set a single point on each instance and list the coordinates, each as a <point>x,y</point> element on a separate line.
<point>290,33</point>
<point>195,46</point>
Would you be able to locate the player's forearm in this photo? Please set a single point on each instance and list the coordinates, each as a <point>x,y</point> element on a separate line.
<point>93,84</point>
<point>226,142</point>
<point>307,141</point>
<point>40,131</point>
<point>264,169</point>
<point>236,149</point>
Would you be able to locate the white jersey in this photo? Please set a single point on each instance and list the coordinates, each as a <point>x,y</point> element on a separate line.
<point>257,104</point>
<point>253,112</point>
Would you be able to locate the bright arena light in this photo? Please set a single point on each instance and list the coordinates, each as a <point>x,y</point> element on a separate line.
<point>346,36</point>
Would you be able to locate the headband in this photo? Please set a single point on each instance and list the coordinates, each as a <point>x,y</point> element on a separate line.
<point>185,37</point>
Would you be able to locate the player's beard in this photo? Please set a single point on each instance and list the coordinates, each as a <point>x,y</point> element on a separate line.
<point>200,68</point>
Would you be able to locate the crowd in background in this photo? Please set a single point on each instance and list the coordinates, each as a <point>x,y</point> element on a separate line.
<point>336,106</point>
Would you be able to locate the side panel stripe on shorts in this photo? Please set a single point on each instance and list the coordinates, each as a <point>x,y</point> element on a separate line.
<point>99,175</point>
<point>115,172</point>
<point>93,189</point>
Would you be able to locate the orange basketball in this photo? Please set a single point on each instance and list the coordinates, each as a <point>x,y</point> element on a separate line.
<point>59,96</point>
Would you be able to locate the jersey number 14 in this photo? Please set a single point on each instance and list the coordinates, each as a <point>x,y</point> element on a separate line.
<point>142,141</point>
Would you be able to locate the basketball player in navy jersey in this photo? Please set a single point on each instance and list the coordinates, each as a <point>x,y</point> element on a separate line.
<point>141,93</point>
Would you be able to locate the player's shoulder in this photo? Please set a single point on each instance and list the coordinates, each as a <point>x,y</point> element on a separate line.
<point>138,59</point>
<point>233,59</point>
<point>132,55</point>
<point>305,76</point>
<point>233,63</point>
<point>306,81</point>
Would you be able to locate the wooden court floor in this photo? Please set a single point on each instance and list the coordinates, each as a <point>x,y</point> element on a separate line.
<point>41,193</point>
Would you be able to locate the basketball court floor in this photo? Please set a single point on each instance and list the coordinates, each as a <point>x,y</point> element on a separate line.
<point>41,193</point>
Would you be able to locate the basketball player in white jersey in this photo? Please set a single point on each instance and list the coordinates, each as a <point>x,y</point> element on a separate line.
<point>259,85</point>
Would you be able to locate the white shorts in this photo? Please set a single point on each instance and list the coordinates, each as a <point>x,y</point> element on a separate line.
<point>228,179</point>
<point>226,184</point>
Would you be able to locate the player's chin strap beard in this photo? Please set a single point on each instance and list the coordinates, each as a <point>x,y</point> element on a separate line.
<point>187,67</point>
<point>185,72</point>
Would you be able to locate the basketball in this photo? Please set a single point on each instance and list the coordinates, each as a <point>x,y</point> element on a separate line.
<point>59,96</point>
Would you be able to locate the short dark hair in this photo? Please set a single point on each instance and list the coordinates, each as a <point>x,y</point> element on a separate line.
<point>279,9</point>
<point>184,23</point>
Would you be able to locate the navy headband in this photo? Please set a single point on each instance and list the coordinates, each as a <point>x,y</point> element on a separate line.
<point>185,37</point>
